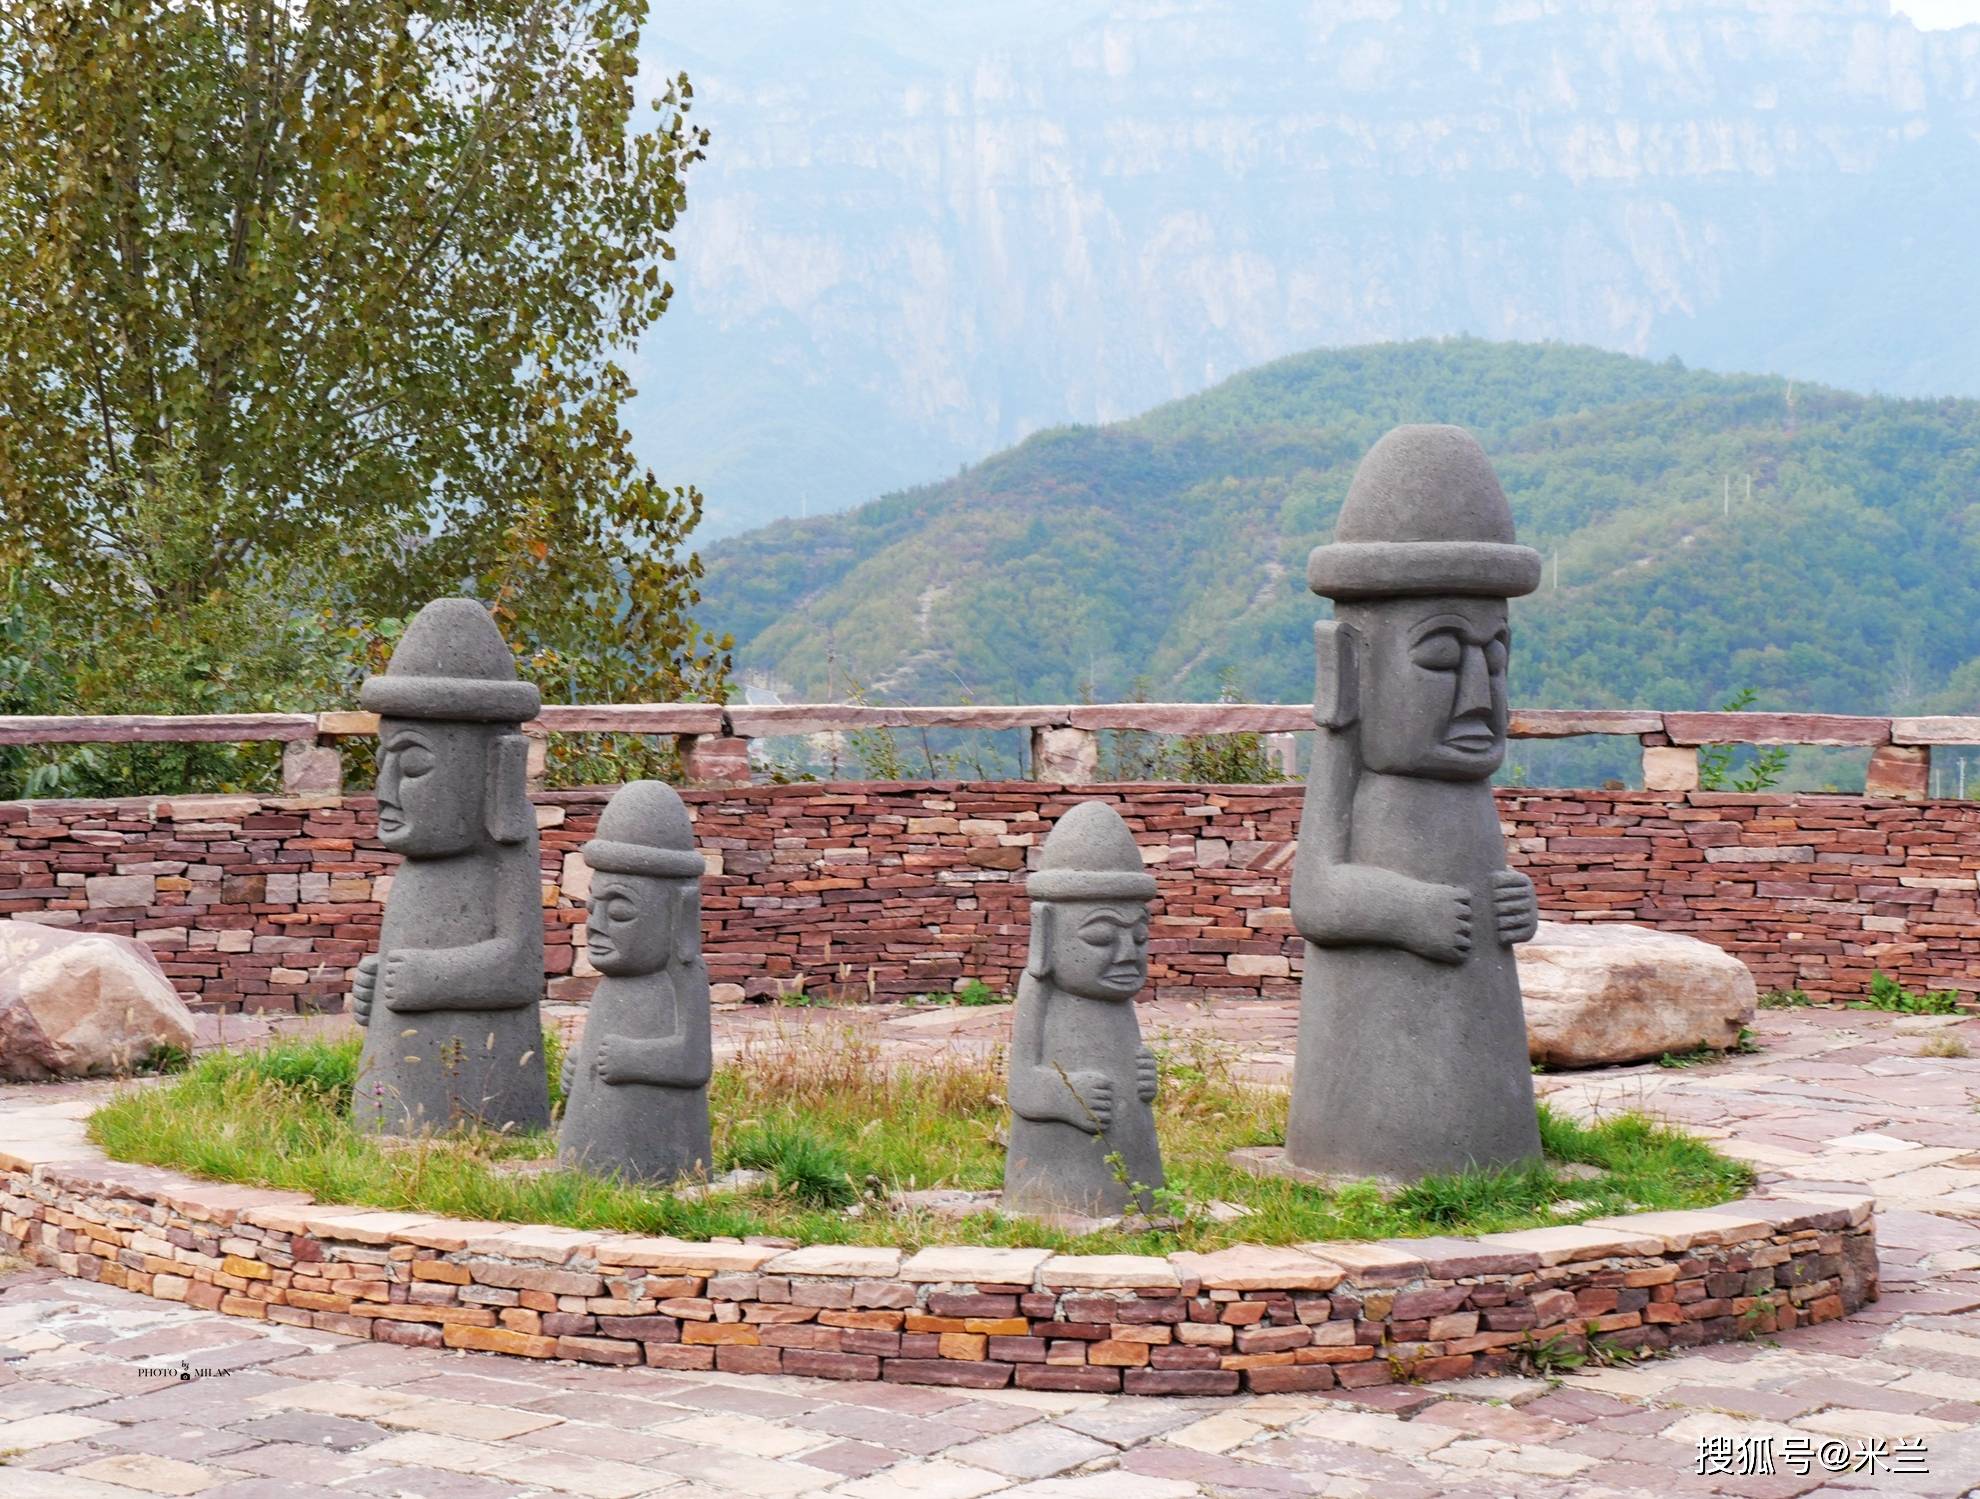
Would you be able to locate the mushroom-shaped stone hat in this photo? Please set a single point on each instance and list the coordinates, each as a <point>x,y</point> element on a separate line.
<point>1090,855</point>
<point>1424,515</point>
<point>452,663</point>
<point>645,830</point>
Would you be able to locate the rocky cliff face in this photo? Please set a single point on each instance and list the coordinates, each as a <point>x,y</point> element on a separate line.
<point>916,239</point>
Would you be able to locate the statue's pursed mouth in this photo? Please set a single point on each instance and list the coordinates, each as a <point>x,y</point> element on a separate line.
<point>1471,734</point>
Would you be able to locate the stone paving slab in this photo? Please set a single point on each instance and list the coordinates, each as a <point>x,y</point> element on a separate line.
<point>85,1412</point>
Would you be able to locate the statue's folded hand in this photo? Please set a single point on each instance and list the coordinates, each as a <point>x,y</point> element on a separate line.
<point>1516,907</point>
<point>403,981</point>
<point>1093,1101</point>
<point>1441,930</point>
<point>364,989</point>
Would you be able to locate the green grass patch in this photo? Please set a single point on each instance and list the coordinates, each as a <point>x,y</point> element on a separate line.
<point>973,993</point>
<point>840,1130</point>
<point>1887,994</point>
<point>1746,1045</point>
<point>1785,999</point>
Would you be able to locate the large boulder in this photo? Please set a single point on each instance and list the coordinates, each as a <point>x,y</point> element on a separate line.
<point>77,1004</point>
<point>1599,994</point>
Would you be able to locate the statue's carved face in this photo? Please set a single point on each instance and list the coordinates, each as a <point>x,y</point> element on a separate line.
<point>432,784</point>
<point>632,925</point>
<point>1433,688</point>
<point>1100,948</point>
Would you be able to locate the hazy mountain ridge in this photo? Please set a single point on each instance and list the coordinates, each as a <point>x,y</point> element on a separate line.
<point>1172,548</point>
<point>890,263</point>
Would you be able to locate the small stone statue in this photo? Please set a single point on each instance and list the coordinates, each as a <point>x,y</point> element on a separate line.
<point>1412,1055</point>
<point>636,1088</point>
<point>450,1001</point>
<point>1081,1083</point>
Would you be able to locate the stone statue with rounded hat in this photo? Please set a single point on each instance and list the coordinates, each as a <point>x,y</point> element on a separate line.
<point>1412,1053</point>
<point>451,1001</point>
<point>636,1086</point>
<point>1082,1085</point>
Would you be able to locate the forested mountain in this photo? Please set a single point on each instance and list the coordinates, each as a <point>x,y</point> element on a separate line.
<point>1708,532</point>
<point>924,231</point>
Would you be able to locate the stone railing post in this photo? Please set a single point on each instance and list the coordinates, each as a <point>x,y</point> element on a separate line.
<point>1903,771</point>
<point>1669,767</point>
<point>1069,756</point>
<point>538,761</point>
<point>312,767</point>
<point>714,759</point>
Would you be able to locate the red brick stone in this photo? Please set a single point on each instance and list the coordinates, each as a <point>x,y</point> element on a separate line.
<point>1093,1381</point>
<point>1279,1380</point>
<point>831,1365</point>
<point>738,1359</point>
<point>1180,1381</point>
<point>946,1371</point>
<point>598,1350</point>
<point>678,1356</point>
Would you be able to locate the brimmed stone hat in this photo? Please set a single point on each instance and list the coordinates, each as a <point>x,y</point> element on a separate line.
<point>1091,855</point>
<point>645,830</point>
<point>1424,515</point>
<point>452,663</point>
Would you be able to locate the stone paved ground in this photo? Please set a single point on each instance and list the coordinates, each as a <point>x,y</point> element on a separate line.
<point>1836,1096</point>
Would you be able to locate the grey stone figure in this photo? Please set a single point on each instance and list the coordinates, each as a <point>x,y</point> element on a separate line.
<point>450,1001</point>
<point>1412,1054</point>
<point>1082,1085</point>
<point>636,1087</point>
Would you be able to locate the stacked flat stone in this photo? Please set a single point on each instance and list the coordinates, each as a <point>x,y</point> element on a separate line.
<point>1082,1085</point>
<point>1412,1047</point>
<point>450,1002</point>
<point>637,1085</point>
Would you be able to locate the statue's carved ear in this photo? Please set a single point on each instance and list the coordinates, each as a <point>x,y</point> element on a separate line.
<point>1038,962</point>
<point>1336,674</point>
<point>505,798</point>
<point>687,923</point>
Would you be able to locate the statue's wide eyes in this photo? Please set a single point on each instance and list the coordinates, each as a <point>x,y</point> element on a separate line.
<point>1442,651</point>
<point>415,760</point>
<point>1495,655</point>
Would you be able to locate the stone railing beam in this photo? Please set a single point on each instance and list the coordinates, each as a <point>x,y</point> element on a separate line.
<point>1568,723</point>
<point>824,718</point>
<point>1195,718</point>
<point>1941,730</point>
<point>158,728</point>
<point>1775,728</point>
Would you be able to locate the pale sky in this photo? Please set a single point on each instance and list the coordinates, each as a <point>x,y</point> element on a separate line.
<point>1937,15</point>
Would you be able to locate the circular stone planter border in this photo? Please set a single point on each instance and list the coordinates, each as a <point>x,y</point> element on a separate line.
<point>1264,1319</point>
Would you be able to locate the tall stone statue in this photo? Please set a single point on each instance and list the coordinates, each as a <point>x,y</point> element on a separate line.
<point>636,1087</point>
<point>1081,1083</point>
<point>1412,1054</point>
<point>450,1001</point>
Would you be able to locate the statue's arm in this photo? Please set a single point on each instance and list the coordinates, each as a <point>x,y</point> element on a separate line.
<point>682,1059</point>
<point>1040,1092</point>
<point>1339,904</point>
<point>502,972</point>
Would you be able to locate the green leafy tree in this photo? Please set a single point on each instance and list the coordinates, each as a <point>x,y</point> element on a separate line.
<point>320,307</point>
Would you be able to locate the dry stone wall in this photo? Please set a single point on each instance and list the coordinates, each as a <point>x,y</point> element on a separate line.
<point>889,890</point>
<point>1262,1319</point>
